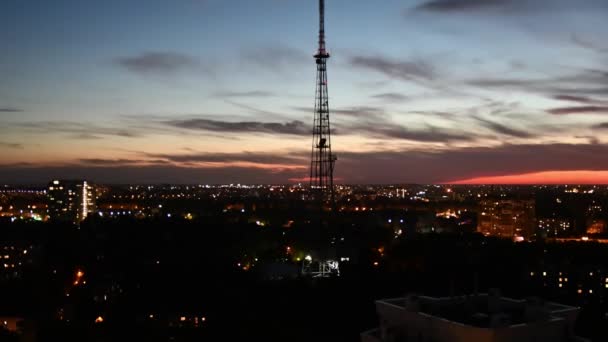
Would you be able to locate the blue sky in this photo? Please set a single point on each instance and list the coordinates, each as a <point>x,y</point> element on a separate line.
<point>222,90</point>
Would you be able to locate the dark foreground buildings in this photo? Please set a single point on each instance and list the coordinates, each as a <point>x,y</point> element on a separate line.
<point>478,317</point>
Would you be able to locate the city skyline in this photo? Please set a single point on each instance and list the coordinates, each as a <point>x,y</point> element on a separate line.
<point>194,91</point>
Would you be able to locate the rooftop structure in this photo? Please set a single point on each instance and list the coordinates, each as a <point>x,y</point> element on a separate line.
<point>480,318</point>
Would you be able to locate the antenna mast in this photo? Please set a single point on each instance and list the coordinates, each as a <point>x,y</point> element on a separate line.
<point>322,159</point>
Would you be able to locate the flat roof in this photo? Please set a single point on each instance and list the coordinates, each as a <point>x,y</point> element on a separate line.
<point>474,310</point>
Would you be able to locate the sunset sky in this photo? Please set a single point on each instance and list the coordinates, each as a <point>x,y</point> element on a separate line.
<point>222,91</point>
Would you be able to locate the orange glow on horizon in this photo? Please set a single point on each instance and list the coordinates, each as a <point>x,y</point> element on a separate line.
<point>543,177</point>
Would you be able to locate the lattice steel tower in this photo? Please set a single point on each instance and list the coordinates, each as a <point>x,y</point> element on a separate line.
<point>322,160</point>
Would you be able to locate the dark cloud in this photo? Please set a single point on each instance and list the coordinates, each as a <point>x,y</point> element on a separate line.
<point>295,158</point>
<point>503,129</point>
<point>275,57</point>
<point>466,163</point>
<point>374,122</point>
<point>407,166</point>
<point>460,5</point>
<point>402,70</point>
<point>253,93</point>
<point>395,131</point>
<point>10,110</point>
<point>154,63</point>
<point>120,162</point>
<point>603,125</point>
<point>502,6</point>
<point>76,130</point>
<point>574,98</point>
<point>586,83</point>
<point>501,83</point>
<point>360,112</point>
<point>293,127</point>
<point>589,45</point>
<point>155,174</point>
<point>255,110</point>
<point>391,97</point>
<point>11,145</point>
<point>85,136</point>
<point>578,110</point>
<point>581,90</point>
<point>352,112</point>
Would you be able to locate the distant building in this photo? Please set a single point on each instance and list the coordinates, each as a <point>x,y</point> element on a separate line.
<point>506,218</point>
<point>70,200</point>
<point>596,227</point>
<point>551,227</point>
<point>479,318</point>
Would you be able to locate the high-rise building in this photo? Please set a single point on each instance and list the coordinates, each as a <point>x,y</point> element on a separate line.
<point>507,218</point>
<point>70,200</point>
<point>552,227</point>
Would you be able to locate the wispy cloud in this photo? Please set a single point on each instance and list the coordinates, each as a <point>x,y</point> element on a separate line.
<point>401,166</point>
<point>589,45</point>
<point>391,97</point>
<point>76,130</point>
<point>465,163</point>
<point>503,129</point>
<point>393,131</point>
<point>361,112</point>
<point>255,110</point>
<point>11,145</point>
<point>578,110</point>
<point>251,93</point>
<point>603,125</point>
<point>583,86</point>
<point>136,174</point>
<point>460,5</point>
<point>291,127</point>
<point>374,122</point>
<point>502,6</point>
<point>575,98</point>
<point>121,162</point>
<point>296,159</point>
<point>159,63</point>
<point>417,70</point>
<point>275,58</point>
<point>10,110</point>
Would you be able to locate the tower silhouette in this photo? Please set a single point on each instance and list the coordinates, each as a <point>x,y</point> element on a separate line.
<point>322,160</point>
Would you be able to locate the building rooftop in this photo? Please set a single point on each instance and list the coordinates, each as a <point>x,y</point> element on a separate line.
<point>480,317</point>
<point>483,310</point>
